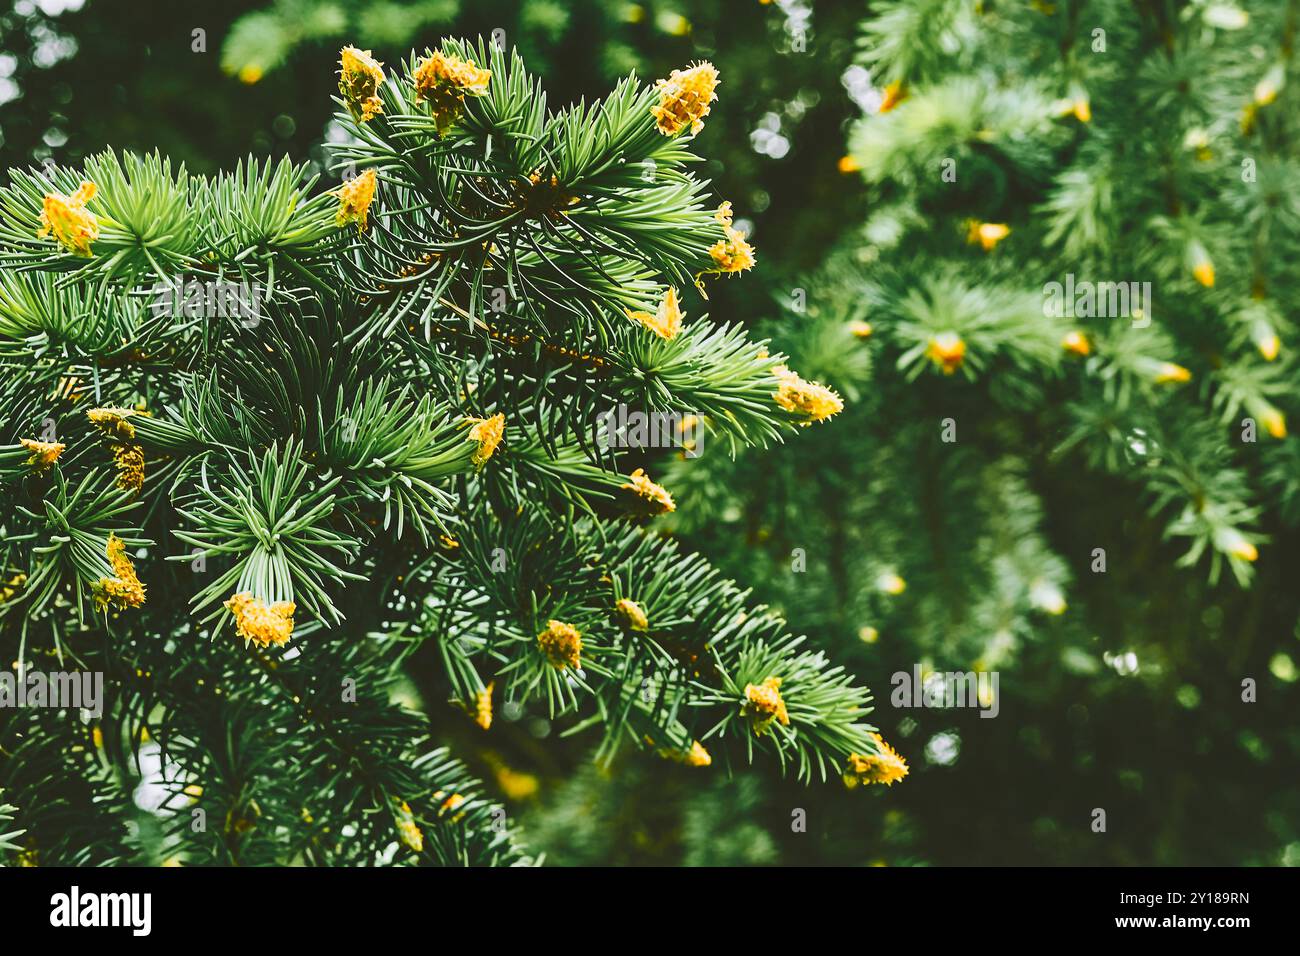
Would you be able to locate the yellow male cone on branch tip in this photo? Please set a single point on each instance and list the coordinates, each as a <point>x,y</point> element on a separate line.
<point>694,756</point>
<point>449,804</point>
<point>697,756</point>
<point>123,590</point>
<point>848,164</point>
<point>112,422</point>
<point>734,253</point>
<point>1077,343</point>
<point>43,453</point>
<point>443,81</point>
<point>562,645</point>
<point>360,75</point>
<point>515,784</point>
<point>812,401</point>
<point>1274,422</point>
<point>1171,372</point>
<point>649,498</point>
<point>1202,265</point>
<point>260,623</point>
<point>764,705</point>
<point>73,225</point>
<point>1047,596</point>
<point>987,234</point>
<point>1198,138</point>
<point>1233,542</point>
<point>1268,344</point>
<point>441,69</point>
<point>666,321</point>
<point>1266,89</point>
<point>1076,103</point>
<point>860,330</point>
<point>355,197</point>
<point>128,457</point>
<point>488,432</point>
<point>684,99</point>
<point>946,350</point>
<point>885,767</point>
<point>894,94</point>
<point>411,835</point>
<point>407,828</point>
<point>891,583</point>
<point>482,707</point>
<point>631,614</point>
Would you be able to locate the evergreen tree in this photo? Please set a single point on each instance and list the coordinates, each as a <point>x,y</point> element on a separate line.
<point>1027,477</point>
<point>264,445</point>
